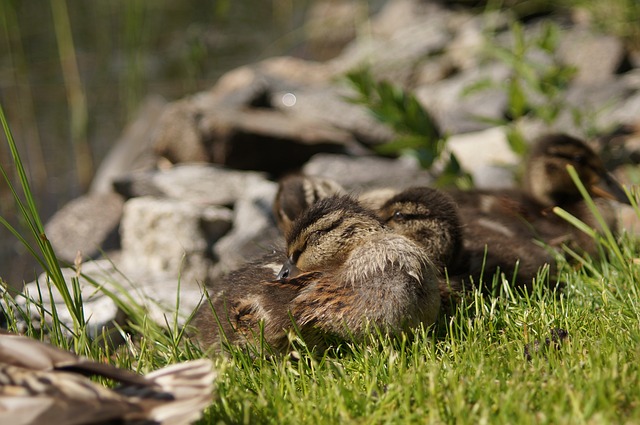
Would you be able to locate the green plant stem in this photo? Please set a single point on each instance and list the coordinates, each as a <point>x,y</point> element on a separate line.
<point>76,98</point>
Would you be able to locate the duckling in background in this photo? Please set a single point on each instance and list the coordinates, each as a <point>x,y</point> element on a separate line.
<point>508,222</point>
<point>345,270</point>
<point>40,383</point>
<point>298,192</point>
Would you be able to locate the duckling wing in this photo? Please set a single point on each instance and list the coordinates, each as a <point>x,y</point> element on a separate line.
<point>33,397</point>
<point>31,354</point>
<point>46,384</point>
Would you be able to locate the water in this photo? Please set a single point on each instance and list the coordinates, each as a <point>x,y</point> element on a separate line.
<point>124,50</point>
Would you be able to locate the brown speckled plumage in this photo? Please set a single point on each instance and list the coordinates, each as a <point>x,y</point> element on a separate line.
<point>345,270</point>
<point>509,224</point>
<point>40,383</point>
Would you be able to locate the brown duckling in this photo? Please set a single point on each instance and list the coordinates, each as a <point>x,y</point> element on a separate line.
<point>509,222</point>
<point>547,184</point>
<point>345,270</point>
<point>430,218</point>
<point>242,301</point>
<point>298,192</point>
<point>360,271</point>
<point>40,383</point>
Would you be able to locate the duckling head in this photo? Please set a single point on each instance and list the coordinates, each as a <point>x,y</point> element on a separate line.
<point>548,182</point>
<point>323,237</point>
<point>296,193</point>
<point>428,217</point>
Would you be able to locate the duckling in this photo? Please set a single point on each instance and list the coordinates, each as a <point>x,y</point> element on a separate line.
<point>507,223</point>
<point>296,193</point>
<point>40,383</point>
<point>345,270</point>
<point>430,218</point>
<point>243,301</point>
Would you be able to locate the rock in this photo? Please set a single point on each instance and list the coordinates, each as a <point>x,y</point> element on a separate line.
<point>177,137</point>
<point>241,116</point>
<point>361,173</point>
<point>486,155</point>
<point>270,140</point>
<point>88,224</point>
<point>167,237</point>
<point>595,56</point>
<point>394,56</point>
<point>202,184</point>
<point>599,106</point>
<point>331,24</point>
<point>156,294</point>
<point>254,230</point>
<point>398,14</point>
<point>133,151</point>
<point>457,112</point>
<point>328,104</point>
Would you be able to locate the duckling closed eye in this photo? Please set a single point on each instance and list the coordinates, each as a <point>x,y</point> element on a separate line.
<point>430,218</point>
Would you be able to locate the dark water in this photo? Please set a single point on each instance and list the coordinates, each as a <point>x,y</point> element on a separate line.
<point>124,51</point>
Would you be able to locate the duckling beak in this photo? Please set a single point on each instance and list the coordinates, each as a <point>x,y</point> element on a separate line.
<point>288,271</point>
<point>609,188</point>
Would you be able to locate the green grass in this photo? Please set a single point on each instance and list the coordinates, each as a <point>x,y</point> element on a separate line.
<point>472,368</point>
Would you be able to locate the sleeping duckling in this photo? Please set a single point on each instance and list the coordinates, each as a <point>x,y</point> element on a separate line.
<point>547,184</point>
<point>40,383</point>
<point>242,302</point>
<point>508,223</point>
<point>430,218</point>
<point>345,270</point>
<point>357,270</point>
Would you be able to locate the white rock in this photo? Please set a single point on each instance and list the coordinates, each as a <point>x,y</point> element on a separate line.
<point>486,155</point>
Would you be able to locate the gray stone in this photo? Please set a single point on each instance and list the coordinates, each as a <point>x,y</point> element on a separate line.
<point>254,232</point>
<point>595,56</point>
<point>156,294</point>
<point>177,137</point>
<point>166,237</point>
<point>394,56</point>
<point>269,140</point>
<point>133,151</point>
<point>486,155</point>
<point>202,184</point>
<point>88,224</point>
<point>361,173</point>
<point>457,112</point>
<point>601,106</point>
<point>328,104</point>
<point>331,24</point>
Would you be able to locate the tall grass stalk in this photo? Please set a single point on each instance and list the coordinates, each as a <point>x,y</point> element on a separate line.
<point>76,98</point>
<point>42,251</point>
<point>24,97</point>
